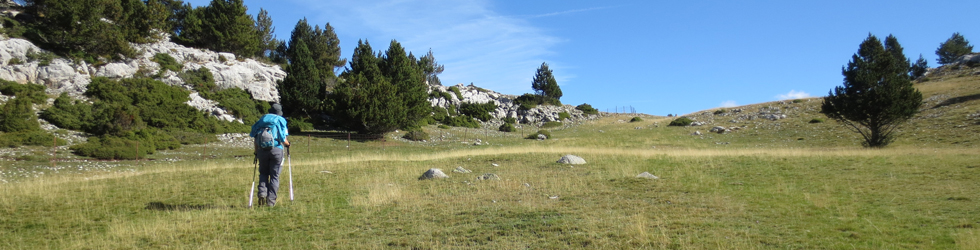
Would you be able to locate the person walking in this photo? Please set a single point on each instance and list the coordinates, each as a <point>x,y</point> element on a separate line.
<point>271,158</point>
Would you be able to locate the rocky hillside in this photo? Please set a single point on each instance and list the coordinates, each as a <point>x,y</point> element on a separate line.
<point>506,107</point>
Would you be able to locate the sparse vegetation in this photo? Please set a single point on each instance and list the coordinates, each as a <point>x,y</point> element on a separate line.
<point>507,127</point>
<point>167,62</point>
<point>416,135</point>
<point>636,119</point>
<point>551,124</point>
<point>534,136</point>
<point>587,109</point>
<point>719,111</point>
<point>816,120</point>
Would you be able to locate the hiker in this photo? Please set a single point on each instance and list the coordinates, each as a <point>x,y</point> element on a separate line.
<point>270,158</point>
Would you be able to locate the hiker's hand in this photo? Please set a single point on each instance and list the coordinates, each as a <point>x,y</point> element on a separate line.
<point>285,142</point>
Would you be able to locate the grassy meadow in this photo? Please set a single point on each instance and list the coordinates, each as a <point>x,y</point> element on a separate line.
<point>777,184</point>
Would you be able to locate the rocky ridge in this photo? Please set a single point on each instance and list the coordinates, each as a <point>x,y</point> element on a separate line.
<point>506,107</point>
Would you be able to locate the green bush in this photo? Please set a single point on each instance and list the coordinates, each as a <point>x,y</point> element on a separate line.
<point>416,135</point>
<point>510,120</point>
<point>564,115</point>
<point>720,111</point>
<point>530,101</point>
<point>551,124</point>
<point>478,110</point>
<point>816,120</point>
<point>167,62</point>
<point>461,121</point>
<point>67,113</point>
<point>28,138</point>
<point>18,115</point>
<point>14,61</point>
<point>43,58</point>
<point>201,80</point>
<point>237,102</point>
<point>682,121</point>
<point>33,92</point>
<point>636,119</point>
<point>587,109</point>
<point>507,127</point>
<point>298,124</point>
<point>797,100</point>
<point>112,148</point>
<point>534,136</point>
<point>442,126</point>
<point>12,27</point>
<point>455,90</point>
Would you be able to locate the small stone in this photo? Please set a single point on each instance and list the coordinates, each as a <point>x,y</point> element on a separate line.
<point>647,175</point>
<point>494,164</point>
<point>462,170</point>
<point>326,172</point>
<point>542,137</point>
<point>488,176</point>
<point>433,173</point>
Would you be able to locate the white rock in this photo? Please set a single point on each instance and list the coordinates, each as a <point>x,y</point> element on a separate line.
<point>571,159</point>
<point>433,173</point>
<point>647,175</point>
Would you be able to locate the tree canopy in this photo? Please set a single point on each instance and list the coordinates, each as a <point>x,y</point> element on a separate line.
<point>953,48</point>
<point>877,95</point>
<point>544,83</point>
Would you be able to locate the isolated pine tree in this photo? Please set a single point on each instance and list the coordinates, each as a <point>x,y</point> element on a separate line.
<point>919,68</point>
<point>266,33</point>
<point>366,102</point>
<point>953,48</point>
<point>431,69</point>
<point>877,95</point>
<point>544,83</point>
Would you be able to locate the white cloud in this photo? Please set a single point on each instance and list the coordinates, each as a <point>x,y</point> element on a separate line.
<point>728,104</point>
<point>474,43</point>
<point>793,94</point>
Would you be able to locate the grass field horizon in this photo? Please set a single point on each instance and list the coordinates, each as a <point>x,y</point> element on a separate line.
<point>785,183</point>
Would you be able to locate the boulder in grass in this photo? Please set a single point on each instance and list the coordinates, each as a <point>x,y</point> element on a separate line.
<point>571,159</point>
<point>433,173</point>
<point>647,175</point>
<point>488,176</point>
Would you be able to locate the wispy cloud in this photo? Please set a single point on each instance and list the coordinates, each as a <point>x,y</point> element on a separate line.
<point>568,12</point>
<point>728,104</point>
<point>474,43</point>
<point>793,94</point>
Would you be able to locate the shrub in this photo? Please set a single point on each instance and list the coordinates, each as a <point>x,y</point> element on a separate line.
<point>28,138</point>
<point>534,136</point>
<point>33,92</point>
<point>682,121</point>
<point>167,62</point>
<point>12,27</point>
<point>416,135</point>
<point>816,120</point>
<point>797,100</point>
<point>510,120</point>
<point>18,115</point>
<point>455,90</point>
<point>461,121</point>
<point>442,126</point>
<point>720,111</point>
<point>43,58</point>
<point>551,124</point>
<point>298,124</point>
<point>479,111</point>
<point>201,80</point>
<point>14,61</point>
<point>636,119</point>
<point>439,113</point>
<point>507,127</point>
<point>236,101</point>
<point>446,95</point>
<point>564,115</point>
<point>587,109</point>
<point>111,148</point>
<point>67,113</point>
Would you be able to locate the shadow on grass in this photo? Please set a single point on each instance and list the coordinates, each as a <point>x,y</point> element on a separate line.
<point>957,100</point>
<point>160,206</point>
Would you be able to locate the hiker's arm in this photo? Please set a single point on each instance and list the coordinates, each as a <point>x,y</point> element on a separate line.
<point>285,142</point>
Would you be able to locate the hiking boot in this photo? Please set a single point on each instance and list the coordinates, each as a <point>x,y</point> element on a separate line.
<point>262,199</point>
<point>271,202</point>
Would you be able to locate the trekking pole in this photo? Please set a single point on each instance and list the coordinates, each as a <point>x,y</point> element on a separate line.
<point>288,156</point>
<point>252,187</point>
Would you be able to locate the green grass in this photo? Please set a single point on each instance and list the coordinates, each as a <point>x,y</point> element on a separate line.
<point>759,187</point>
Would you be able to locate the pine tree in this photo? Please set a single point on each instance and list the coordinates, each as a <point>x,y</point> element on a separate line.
<point>403,72</point>
<point>17,115</point>
<point>431,69</point>
<point>953,48</point>
<point>302,91</point>
<point>266,33</point>
<point>877,95</point>
<point>223,25</point>
<point>366,101</point>
<point>544,83</point>
<point>919,68</point>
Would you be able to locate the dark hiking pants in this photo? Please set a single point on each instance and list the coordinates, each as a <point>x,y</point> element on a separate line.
<point>270,164</point>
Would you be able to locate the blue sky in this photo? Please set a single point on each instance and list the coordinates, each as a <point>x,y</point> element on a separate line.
<point>659,57</point>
